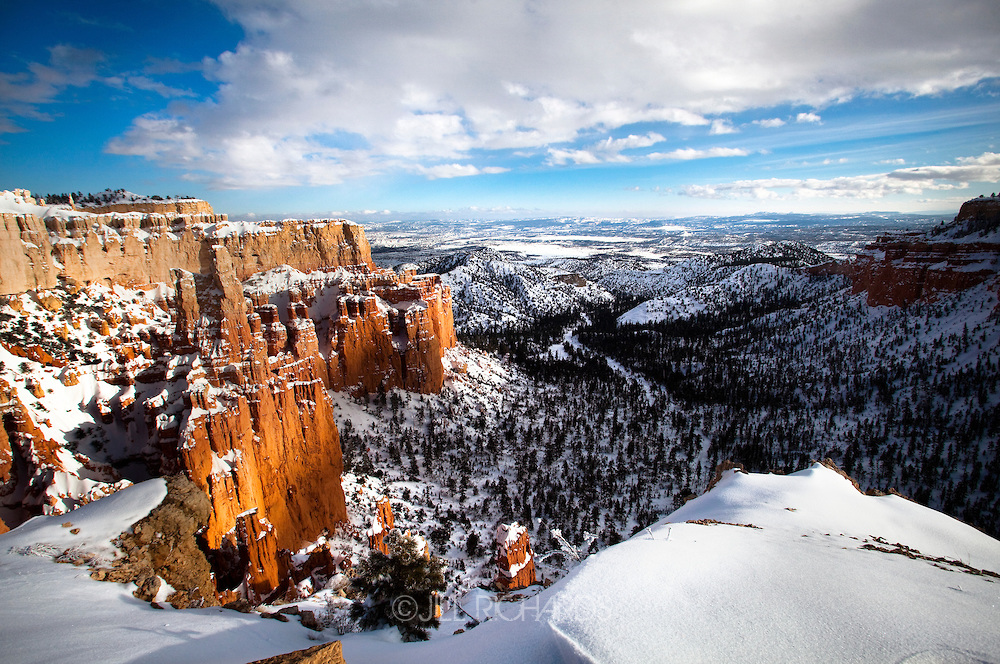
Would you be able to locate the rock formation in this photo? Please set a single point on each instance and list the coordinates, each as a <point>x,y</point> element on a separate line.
<point>384,522</point>
<point>164,546</point>
<point>234,392</point>
<point>138,247</point>
<point>515,560</point>
<point>326,653</point>
<point>900,269</point>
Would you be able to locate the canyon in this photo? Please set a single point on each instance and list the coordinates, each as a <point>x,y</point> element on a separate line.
<point>224,341</point>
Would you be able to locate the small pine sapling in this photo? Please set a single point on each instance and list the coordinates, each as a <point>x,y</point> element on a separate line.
<point>401,588</point>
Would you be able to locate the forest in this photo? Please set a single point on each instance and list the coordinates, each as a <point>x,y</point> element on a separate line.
<point>602,428</point>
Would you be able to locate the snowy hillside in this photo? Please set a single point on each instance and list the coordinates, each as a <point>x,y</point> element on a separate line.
<point>778,569</point>
<point>800,585</point>
<point>54,612</point>
<point>491,290</point>
<point>753,284</point>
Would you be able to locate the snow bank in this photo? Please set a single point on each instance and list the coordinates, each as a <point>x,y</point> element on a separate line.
<point>797,587</point>
<point>51,612</point>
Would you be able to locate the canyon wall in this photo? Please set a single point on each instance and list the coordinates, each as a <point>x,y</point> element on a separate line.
<point>899,269</point>
<point>141,248</point>
<point>265,319</point>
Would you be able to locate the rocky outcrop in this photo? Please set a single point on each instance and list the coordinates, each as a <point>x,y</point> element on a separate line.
<point>259,437</point>
<point>326,653</point>
<point>383,523</point>
<point>515,560</point>
<point>377,347</point>
<point>163,547</point>
<point>900,269</point>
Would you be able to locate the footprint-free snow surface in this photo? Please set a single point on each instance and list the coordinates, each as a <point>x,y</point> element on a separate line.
<point>780,569</point>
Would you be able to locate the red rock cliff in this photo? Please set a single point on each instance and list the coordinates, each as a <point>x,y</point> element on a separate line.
<point>899,270</point>
<point>129,246</point>
<point>259,437</point>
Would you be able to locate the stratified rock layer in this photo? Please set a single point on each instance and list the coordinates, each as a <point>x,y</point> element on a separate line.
<point>143,247</point>
<point>899,270</point>
<point>234,393</point>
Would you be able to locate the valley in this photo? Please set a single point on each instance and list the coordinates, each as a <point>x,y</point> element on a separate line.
<point>584,378</point>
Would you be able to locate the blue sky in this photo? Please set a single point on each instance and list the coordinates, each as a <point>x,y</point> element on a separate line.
<point>506,108</point>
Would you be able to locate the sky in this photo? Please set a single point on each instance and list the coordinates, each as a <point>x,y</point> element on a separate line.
<point>506,108</point>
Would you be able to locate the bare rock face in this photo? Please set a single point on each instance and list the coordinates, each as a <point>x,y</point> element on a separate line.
<point>326,653</point>
<point>899,270</point>
<point>141,243</point>
<point>184,206</point>
<point>515,560</point>
<point>25,254</point>
<point>378,347</point>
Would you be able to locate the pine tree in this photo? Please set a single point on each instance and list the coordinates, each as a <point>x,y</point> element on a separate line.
<point>401,588</point>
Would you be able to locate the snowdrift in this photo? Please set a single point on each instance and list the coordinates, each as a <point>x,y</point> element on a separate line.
<point>763,568</point>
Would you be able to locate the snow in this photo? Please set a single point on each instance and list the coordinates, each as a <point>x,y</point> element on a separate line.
<point>50,612</point>
<point>797,587</point>
<point>13,203</point>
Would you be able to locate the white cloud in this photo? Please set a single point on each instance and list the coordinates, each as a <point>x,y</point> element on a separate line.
<point>561,156</point>
<point>610,149</point>
<point>770,123</point>
<point>914,181</point>
<point>442,171</point>
<point>691,153</point>
<point>722,127</point>
<point>423,80</point>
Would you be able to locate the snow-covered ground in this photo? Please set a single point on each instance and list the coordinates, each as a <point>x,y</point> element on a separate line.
<point>54,612</point>
<point>797,586</point>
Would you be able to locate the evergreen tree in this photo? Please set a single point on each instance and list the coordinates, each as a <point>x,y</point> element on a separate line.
<point>400,588</point>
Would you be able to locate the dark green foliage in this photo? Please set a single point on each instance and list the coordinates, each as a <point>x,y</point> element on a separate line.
<point>400,588</point>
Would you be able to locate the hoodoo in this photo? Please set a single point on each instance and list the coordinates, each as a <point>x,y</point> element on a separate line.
<point>264,319</point>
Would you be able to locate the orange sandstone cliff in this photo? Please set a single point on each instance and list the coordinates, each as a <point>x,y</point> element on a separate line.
<point>265,320</point>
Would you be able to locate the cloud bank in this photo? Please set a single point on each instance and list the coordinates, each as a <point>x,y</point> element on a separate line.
<point>318,92</point>
<point>966,170</point>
